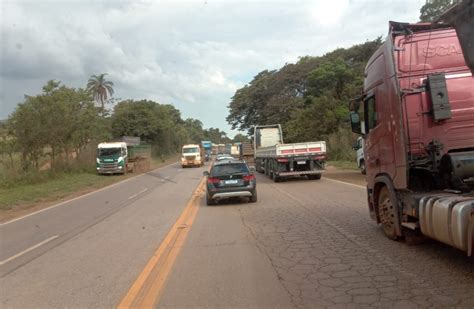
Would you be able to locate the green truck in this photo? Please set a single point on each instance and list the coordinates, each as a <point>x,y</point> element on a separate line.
<point>128,155</point>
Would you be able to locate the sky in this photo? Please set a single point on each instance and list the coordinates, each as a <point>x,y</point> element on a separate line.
<point>192,54</point>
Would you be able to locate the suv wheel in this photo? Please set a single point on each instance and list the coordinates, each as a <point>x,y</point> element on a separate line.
<point>210,201</point>
<point>253,198</point>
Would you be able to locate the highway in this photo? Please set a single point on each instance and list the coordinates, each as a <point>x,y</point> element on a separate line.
<point>150,241</point>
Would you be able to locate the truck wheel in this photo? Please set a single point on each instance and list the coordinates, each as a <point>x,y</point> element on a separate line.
<point>314,177</point>
<point>362,167</point>
<point>388,213</point>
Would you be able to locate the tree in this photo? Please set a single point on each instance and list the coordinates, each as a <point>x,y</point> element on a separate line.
<point>432,9</point>
<point>100,89</point>
<point>240,138</point>
<point>54,123</point>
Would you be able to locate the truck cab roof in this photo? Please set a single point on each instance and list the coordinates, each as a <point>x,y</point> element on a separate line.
<point>112,145</point>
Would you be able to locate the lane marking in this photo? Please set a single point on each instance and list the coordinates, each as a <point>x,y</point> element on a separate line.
<point>346,183</point>
<point>81,196</point>
<point>147,288</point>
<point>28,250</point>
<point>137,194</point>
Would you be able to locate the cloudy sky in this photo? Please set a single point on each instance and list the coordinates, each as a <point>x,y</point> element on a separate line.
<point>192,54</point>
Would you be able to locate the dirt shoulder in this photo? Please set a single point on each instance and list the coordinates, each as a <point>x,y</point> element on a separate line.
<point>345,175</point>
<point>23,208</point>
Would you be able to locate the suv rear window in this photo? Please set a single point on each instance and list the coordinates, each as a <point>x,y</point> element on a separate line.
<point>228,169</point>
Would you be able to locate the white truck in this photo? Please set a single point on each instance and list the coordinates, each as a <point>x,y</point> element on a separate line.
<point>192,155</point>
<point>278,160</point>
<point>359,148</point>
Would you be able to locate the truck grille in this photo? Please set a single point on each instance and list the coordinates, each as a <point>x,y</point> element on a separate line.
<point>108,165</point>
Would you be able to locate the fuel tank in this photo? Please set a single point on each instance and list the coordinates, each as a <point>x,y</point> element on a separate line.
<point>449,219</point>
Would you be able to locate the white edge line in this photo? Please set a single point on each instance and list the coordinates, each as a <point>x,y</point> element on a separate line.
<point>137,194</point>
<point>28,250</point>
<point>346,183</point>
<point>81,196</point>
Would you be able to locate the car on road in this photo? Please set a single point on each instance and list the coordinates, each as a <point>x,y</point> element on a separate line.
<point>230,179</point>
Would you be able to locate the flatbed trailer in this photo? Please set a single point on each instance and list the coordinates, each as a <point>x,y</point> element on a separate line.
<point>281,160</point>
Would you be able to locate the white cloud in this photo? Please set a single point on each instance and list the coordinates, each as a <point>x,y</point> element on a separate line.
<point>193,54</point>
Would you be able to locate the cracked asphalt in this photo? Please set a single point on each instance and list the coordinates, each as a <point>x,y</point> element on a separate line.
<point>311,244</point>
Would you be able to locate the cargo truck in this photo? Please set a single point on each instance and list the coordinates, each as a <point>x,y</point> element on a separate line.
<point>192,155</point>
<point>279,161</point>
<point>247,153</point>
<point>416,116</point>
<point>128,155</point>
<point>207,147</point>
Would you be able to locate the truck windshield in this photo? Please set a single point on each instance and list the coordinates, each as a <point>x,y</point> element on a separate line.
<point>190,150</point>
<point>108,151</point>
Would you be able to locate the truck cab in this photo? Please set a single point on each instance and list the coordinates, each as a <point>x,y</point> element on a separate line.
<point>359,148</point>
<point>192,155</point>
<point>417,118</point>
<point>111,158</point>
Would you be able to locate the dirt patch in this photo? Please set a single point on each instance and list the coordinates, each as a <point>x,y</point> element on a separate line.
<point>346,175</point>
<point>24,209</point>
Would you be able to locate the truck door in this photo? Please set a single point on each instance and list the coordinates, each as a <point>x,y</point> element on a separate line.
<point>371,147</point>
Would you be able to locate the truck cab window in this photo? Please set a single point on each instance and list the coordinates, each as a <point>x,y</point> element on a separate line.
<point>370,113</point>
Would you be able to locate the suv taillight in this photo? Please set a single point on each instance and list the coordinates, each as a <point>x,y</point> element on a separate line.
<point>213,180</point>
<point>249,178</point>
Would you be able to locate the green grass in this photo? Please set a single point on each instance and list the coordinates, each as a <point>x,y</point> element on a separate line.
<point>347,165</point>
<point>52,189</point>
<point>61,185</point>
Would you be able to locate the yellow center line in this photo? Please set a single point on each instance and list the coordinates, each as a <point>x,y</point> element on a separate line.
<point>146,290</point>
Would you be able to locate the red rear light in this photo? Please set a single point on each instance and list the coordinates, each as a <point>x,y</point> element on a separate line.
<point>249,178</point>
<point>213,180</point>
<point>282,160</point>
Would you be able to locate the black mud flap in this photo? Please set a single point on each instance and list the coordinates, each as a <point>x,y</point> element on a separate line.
<point>439,96</point>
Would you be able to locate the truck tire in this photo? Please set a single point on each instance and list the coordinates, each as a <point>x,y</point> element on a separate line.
<point>314,177</point>
<point>362,167</point>
<point>388,213</point>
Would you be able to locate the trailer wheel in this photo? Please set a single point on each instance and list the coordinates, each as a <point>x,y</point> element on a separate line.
<point>388,213</point>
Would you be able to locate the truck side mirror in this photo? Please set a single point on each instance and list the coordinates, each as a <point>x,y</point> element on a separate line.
<point>205,173</point>
<point>355,123</point>
<point>252,169</point>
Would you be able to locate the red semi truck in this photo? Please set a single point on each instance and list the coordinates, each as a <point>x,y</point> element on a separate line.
<point>416,116</point>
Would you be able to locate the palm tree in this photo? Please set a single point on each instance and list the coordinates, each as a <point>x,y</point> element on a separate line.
<point>101,89</point>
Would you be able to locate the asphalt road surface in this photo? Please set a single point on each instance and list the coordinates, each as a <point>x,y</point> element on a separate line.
<point>303,244</point>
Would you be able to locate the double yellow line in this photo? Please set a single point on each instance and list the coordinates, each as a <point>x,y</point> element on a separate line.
<point>147,288</point>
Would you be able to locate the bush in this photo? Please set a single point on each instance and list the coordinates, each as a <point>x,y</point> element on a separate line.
<point>340,145</point>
